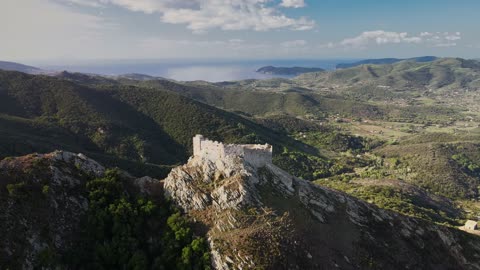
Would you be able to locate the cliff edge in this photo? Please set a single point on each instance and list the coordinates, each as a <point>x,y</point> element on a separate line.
<point>260,217</point>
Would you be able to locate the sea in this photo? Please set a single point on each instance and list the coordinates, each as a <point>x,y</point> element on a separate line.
<point>192,70</point>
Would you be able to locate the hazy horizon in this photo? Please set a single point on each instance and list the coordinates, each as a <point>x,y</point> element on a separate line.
<point>189,70</point>
<point>77,30</point>
<point>213,70</point>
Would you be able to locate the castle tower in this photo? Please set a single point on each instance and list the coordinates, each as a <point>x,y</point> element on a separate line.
<point>197,144</point>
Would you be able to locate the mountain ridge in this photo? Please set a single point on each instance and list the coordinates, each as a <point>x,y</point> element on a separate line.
<point>443,74</point>
<point>291,71</point>
<point>13,66</point>
<point>382,61</point>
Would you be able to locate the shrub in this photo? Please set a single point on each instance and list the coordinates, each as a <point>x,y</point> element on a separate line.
<point>45,189</point>
<point>17,190</point>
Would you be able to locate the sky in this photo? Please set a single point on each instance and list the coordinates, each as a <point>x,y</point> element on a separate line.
<point>88,30</point>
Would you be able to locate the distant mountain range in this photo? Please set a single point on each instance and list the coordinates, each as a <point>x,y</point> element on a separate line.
<point>12,66</point>
<point>139,77</point>
<point>293,71</point>
<point>268,70</point>
<point>440,76</point>
<point>74,76</point>
<point>383,61</point>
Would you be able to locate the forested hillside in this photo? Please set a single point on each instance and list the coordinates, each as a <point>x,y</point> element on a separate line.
<point>123,125</point>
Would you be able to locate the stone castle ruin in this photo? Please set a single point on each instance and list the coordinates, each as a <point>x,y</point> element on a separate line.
<point>255,154</point>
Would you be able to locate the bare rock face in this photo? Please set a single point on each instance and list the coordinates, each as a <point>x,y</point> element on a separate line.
<point>80,161</point>
<point>264,218</point>
<point>198,190</point>
<point>42,199</point>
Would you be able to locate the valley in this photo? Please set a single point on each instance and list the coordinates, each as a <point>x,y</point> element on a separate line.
<point>421,115</point>
<point>404,137</point>
<point>331,124</point>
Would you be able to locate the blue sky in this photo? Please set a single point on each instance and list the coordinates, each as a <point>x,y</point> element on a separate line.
<point>84,30</point>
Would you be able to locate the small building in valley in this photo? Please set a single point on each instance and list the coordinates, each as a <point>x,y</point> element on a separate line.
<point>471,225</point>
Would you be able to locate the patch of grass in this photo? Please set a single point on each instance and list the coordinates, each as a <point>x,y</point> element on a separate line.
<point>45,189</point>
<point>17,190</point>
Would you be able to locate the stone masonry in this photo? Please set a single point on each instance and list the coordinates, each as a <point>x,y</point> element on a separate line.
<point>257,155</point>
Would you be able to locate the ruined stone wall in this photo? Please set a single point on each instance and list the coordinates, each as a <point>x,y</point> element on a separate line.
<point>212,150</point>
<point>257,155</point>
<point>234,150</point>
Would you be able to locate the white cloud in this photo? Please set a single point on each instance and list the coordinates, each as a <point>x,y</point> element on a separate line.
<point>381,37</point>
<point>445,45</point>
<point>236,41</point>
<point>293,3</point>
<point>294,43</point>
<point>203,15</point>
<point>443,39</point>
<point>87,3</point>
<point>378,37</point>
<point>426,34</point>
<point>452,37</point>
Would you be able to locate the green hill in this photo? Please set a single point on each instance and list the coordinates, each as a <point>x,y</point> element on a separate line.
<point>119,123</point>
<point>292,71</point>
<point>284,97</point>
<point>383,61</point>
<point>12,66</point>
<point>442,75</point>
<point>441,163</point>
<point>408,91</point>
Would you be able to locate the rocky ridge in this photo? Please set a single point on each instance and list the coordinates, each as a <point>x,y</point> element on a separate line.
<point>267,219</point>
<point>43,200</point>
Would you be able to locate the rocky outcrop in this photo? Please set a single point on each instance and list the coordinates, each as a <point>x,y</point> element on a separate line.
<point>43,198</point>
<point>262,217</point>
